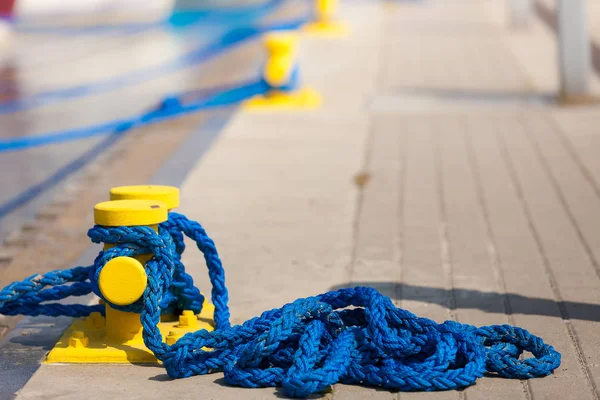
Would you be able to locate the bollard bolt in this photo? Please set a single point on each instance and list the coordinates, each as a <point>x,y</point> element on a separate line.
<point>188,320</point>
<point>78,340</point>
<point>173,337</point>
<point>95,321</point>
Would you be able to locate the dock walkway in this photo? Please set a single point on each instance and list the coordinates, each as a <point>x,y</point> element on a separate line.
<point>439,170</point>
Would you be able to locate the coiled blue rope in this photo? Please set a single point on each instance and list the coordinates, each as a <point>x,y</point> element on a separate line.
<point>303,347</point>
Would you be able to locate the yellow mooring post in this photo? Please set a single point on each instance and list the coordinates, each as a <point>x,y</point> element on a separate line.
<point>169,195</point>
<point>325,23</point>
<point>117,338</point>
<point>278,73</point>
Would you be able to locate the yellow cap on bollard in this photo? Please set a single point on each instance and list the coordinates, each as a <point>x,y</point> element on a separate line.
<point>130,213</point>
<point>167,194</point>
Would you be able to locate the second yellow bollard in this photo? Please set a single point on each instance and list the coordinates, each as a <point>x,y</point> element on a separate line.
<point>281,74</point>
<point>325,23</point>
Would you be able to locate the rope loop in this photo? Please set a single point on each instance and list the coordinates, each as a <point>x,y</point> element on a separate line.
<point>179,225</point>
<point>507,343</point>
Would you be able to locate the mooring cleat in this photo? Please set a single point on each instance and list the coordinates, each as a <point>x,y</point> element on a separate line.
<point>281,74</point>
<point>117,337</point>
<point>325,23</point>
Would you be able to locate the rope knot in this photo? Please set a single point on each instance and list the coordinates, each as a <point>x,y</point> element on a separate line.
<point>131,242</point>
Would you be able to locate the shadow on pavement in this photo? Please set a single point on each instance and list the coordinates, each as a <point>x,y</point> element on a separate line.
<point>491,302</point>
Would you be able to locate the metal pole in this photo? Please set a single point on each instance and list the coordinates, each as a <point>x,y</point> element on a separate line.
<point>574,50</point>
<point>520,13</point>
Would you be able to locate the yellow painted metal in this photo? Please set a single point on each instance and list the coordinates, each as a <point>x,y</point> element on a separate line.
<point>331,29</point>
<point>117,337</point>
<point>325,10</point>
<point>305,98</point>
<point>130,213</point>
<point>167,194</point>
<point>98,347</point>
<point>325,23</point>
<point>281,50</point>
<point>122,280</point>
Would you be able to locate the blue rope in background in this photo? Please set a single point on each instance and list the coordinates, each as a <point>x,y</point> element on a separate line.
<point>205,52</point>
<point>179,18</point>
<point>195,56</point>
<point>171,107</point>
<point>303,347</point>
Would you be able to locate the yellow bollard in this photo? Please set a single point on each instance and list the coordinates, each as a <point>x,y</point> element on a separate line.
<point>117,338</point>
<point>170,196</point>
<point>325,23</point>
<point>281,49</point>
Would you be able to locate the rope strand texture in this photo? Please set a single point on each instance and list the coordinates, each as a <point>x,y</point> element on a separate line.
<point>313,343</point>
<point>353,336</point>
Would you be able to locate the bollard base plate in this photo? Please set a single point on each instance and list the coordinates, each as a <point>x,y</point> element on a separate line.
<point>326,29</point>
<point>302,99</point>
<point>86,342</point>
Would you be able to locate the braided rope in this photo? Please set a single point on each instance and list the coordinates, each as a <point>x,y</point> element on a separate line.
<point>353,336</point>
<point>178,225</point>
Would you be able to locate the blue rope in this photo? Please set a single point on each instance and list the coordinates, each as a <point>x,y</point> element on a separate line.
<point>182,18</point>
<point>169,108</point>
<point>205,52</point>
<point>303,347</point>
